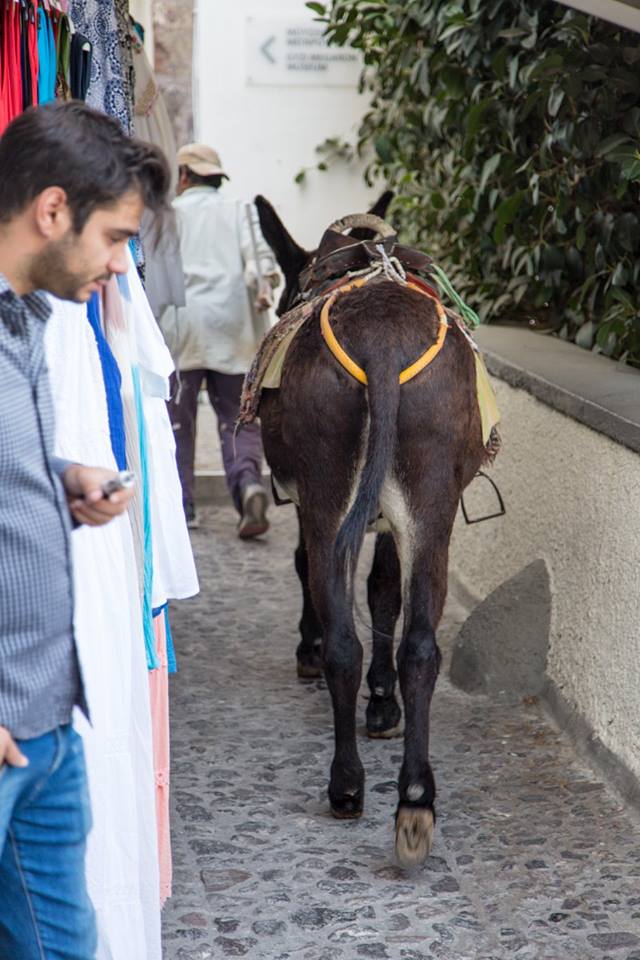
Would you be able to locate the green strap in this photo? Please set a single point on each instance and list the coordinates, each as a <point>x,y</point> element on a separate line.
<point>470,317</point>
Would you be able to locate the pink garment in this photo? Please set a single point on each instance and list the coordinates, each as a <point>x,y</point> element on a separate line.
<point>159,693</point>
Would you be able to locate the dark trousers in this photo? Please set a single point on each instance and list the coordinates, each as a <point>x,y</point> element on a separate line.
<point>241,454</point>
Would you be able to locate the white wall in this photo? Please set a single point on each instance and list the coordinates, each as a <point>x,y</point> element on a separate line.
<point>266,134</point>
<point>623,14</point>
<point>571,496</point>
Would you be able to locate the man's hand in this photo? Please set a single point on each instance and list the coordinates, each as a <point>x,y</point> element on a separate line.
<point>9,752</point>
<point>87,502</point>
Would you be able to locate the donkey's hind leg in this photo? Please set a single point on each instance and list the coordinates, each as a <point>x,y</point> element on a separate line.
<point>385,601</point>
<point>425,587</point>
<point>309,652</point>
<point>342,660</point>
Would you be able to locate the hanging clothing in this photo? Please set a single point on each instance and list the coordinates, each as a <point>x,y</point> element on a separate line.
<point>166,567</point>
<point>150,115</point>
<point>34,60</point>
<point>80,60</point>
<point>164,276</point>
<point>25,66</point>
<point>174,571</point>
<point>159,696</point>
<point>112,383</point>
<point>126,55</point>
<point>122,855</point>
<point>109,90</point>
<point>63,57</point>
<point>47,58</point>
<point>11,97</point>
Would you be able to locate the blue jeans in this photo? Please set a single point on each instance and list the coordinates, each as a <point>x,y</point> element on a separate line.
<point>45,911</point>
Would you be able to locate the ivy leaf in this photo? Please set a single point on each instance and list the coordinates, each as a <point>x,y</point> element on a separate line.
<point>612,143</point>
<point>553,63</point>
<point>623,297</point>
<point>556,98</point>
<point>620,275</point>
<point>628,232</point>
<point>384,148</point>
<point>489,168</point>
<point>506,214</point>
<point>475,117</point>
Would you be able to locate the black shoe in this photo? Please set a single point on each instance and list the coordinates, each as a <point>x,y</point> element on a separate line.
<point>254,521</point>
<point>191,516</point>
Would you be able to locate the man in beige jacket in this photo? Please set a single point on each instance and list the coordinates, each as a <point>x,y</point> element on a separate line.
<point>229,271</point>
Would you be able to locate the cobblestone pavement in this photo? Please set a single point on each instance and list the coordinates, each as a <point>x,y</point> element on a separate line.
<point>533,857</point>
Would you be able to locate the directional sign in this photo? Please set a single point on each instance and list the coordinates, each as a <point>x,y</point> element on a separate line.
<point>294,52</point>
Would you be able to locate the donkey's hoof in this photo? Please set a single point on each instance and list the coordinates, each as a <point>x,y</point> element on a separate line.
<point>414,835</point>
<point>310,669</point>
<point>348,806</point>
<point>384,718</point>
<point>309,660</point>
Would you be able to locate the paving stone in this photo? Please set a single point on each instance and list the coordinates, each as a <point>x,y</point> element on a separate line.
<point>613,941</point>
<point>533,857</point>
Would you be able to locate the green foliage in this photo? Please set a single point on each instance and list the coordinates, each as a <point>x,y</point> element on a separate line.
<point>509,129</point>
<point>331,150</point>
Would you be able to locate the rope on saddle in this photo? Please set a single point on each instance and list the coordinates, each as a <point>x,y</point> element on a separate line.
<point>469,315</point>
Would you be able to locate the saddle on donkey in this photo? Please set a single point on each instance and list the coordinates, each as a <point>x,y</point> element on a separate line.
<point>342,264</point>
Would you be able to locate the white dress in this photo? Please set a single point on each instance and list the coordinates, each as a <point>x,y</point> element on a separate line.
<point>122,856</point>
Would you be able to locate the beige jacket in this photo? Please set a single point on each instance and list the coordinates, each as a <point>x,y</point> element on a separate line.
<point>218,329</point>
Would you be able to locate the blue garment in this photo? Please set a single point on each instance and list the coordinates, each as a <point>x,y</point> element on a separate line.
<point>39,671</point>
<point>47,60</point>
<point>112,385</point>
<point>171,650</point>
<point>147,573</point>
<point>143,481</point>
<point>45,817</point>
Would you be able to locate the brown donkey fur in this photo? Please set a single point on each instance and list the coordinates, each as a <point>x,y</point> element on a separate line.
<point>354,452</point>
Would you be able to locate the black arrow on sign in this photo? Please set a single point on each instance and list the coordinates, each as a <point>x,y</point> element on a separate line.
<point>266,49</point>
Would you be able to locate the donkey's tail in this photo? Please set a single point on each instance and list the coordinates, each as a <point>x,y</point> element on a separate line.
<point>383,395</point>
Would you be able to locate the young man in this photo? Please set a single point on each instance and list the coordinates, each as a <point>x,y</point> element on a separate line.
<point>215,336</point>
<point>72,190</point>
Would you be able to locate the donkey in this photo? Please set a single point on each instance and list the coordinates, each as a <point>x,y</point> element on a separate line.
<point>355,453</point>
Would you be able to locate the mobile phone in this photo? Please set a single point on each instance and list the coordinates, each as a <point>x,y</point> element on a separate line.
<point>124,480</point>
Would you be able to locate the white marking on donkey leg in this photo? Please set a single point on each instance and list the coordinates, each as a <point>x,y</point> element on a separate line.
<point>414,835</point>
<point>395,509</point>
<point>414,825</point>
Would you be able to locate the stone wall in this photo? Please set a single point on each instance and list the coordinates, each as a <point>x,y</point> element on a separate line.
<point>173,38</point>
<point>571,496</point>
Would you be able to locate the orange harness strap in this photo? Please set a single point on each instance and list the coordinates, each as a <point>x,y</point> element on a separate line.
<point>350,365</point>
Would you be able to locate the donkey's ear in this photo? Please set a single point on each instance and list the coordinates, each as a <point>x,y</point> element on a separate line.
<point>380,207</point>
<point>289,255</point>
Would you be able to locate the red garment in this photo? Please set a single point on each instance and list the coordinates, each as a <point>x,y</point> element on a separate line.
<point>33,54</point>
<point>4,110</point>
<point>11,87</point>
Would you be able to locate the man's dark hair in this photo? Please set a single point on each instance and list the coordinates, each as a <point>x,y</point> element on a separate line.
<point>85,153</point>
<point>214,180</point>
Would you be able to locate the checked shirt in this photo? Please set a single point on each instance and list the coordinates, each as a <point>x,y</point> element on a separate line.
<point>39,674</point>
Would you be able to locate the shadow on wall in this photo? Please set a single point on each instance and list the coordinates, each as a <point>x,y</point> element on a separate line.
<point>502,649</point>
